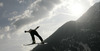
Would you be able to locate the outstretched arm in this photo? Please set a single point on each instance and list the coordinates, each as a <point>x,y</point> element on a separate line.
<point>26,31</point>
<point>36,27</point>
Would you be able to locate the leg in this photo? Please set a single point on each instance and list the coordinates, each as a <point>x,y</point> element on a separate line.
<point>33,39</point>
<point>39,37</point>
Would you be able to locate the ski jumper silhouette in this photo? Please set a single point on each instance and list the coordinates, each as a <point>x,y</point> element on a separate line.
<point>34,32</point>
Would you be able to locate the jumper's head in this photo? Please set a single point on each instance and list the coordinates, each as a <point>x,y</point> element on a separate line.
<point>31,29</point>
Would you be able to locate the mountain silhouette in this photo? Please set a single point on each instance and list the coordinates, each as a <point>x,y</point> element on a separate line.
<point>80,35</point>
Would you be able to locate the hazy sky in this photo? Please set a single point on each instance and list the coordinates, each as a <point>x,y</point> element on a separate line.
<point>16,16</point>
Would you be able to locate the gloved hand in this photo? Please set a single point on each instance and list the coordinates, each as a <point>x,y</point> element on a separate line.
<point>25,31</point>
<point>38,26</point>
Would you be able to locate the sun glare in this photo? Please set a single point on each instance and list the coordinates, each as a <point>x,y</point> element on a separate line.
<point>76,10</point>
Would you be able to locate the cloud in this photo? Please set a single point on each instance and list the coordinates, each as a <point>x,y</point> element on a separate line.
<point>14,13</point>
<point>91,2</point>
<point>96,1</point>
<point>7,28</point>
<point>1,36</point>
<point>1,4</point>
<point>37,10</point>
<point>20,1</point>
<point>5,32</point>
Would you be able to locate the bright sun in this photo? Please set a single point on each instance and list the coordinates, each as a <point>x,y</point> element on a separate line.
<point>76,9</point>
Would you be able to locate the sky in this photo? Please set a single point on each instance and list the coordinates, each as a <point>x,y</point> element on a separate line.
<point>16,16</point>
